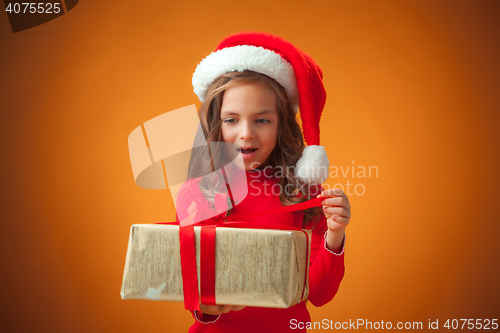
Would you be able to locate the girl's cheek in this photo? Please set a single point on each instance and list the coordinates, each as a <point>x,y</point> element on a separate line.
<point>228,135</point>
<point>224,134</point>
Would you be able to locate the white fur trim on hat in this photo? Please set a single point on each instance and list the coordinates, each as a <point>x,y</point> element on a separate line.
<point>313,166</point>
<point>245,57</point>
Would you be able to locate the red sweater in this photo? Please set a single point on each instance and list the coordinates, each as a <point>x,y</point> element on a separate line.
<point>325,273</point>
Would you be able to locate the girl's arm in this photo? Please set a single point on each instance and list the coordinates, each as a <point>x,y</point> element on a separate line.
<point>327,248</point>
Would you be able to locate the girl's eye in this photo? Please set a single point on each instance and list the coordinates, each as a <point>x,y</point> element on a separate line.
<point>229,120</point>
<point>263,121</point>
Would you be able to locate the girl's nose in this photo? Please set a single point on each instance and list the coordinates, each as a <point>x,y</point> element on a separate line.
<point>246,131</point>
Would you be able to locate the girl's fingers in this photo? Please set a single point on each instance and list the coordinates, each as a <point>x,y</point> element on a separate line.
<point>226,308</point>
<point>210,309</point>
<point>336,208</point>
<point>335,197</point>
<point>340,219</point>
<point>238,308</point>
<point>217,309</point>
<point>339,211</point>
<point>337,201</point>
<point>334,192</point>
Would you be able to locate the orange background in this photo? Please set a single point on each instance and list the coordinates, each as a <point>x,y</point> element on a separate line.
<point>412,89</point>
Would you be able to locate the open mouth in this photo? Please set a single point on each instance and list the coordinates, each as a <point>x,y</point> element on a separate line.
<point>247,151</point>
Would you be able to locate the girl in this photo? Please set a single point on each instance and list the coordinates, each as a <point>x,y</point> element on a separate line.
<point>251,88</point>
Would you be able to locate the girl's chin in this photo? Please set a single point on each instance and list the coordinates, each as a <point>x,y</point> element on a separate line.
<point>253,166</point>
<point>247,166</point>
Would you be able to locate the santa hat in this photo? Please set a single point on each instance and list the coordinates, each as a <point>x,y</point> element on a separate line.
<point>292,68</point>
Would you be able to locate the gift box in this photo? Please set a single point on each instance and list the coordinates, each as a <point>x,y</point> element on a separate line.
<point>253,267</point>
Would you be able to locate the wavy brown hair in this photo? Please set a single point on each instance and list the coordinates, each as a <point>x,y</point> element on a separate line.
<point>286,153</point>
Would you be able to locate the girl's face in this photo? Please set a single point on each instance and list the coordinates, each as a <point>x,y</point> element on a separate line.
<point>250,121</point>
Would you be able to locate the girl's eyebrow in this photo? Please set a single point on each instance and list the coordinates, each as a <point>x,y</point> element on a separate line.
<point>266,112</point>
<point>232,113</point>
<point>228,113</point>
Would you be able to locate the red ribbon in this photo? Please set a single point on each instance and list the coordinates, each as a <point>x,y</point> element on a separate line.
<point>207,265</point>
<point>207,253</point>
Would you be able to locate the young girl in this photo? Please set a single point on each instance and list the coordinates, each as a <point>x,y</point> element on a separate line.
<point>251,88</point>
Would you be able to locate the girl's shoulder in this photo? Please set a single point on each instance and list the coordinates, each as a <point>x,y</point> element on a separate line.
<point>190,201</point>
<point>190,183</point>
<point>189,190</point>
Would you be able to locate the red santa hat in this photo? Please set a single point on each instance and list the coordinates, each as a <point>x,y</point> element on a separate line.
<point>292,68</point>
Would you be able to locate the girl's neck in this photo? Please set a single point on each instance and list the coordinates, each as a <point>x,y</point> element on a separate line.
<point>267,172</point>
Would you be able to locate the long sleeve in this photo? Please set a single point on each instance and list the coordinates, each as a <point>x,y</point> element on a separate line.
<point>326,270</point>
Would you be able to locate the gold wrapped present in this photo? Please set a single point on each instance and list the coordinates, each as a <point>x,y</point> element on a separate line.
<point>253,267</point>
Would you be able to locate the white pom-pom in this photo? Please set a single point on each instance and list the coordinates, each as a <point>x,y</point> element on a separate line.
<point>313,166</point>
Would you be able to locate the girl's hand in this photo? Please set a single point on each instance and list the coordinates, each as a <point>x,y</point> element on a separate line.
<point>337,211</point>
<point>218,309</point>
<point>336,208</point>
